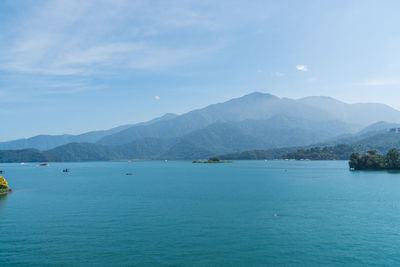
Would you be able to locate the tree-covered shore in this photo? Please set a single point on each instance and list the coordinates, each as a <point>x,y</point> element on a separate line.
<point>337,152</point>
<point>374,161</point>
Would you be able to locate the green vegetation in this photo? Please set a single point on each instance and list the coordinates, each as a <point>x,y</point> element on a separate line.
<point>382,141</point>
<point>25,155</point>
<point>214,140</point>
<point>277,153</point>
<point>374,161</point>
<point>261,125</point>
<point>338,152</point>
<point>212,160</point>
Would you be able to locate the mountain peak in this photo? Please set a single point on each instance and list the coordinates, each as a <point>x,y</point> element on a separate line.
<point>259,95</point>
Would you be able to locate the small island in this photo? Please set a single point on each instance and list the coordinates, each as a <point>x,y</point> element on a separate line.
<point>212,160</point>
<point>374,161</point>
<point>4,186</point>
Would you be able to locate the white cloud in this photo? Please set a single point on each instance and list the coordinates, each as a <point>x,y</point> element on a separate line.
<point>157,98</point>
<point>71,37</point>
<point>301,67</point>
<point>55,47</point>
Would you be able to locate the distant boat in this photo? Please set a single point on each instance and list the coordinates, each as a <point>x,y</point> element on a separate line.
<point>129,173</point>
<point>44,164</point>
<point>66,170</point>
<point>1,172</point>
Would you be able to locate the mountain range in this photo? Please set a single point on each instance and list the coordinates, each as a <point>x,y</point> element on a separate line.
<point>256,121</point>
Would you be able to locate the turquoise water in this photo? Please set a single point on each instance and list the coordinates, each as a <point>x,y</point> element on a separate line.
<point>179,213</point>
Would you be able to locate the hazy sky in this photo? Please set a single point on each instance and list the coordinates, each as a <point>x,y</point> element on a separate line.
<point>71,66</point>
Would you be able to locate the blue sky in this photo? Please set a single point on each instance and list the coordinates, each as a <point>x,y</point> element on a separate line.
<point>69,66</point>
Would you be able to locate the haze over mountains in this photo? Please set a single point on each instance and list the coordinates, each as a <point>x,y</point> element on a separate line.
<point>360,113</point>
<point>45,142</point>
<point>254,121</point>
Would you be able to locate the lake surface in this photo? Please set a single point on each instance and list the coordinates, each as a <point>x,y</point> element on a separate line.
<point>247,213</point>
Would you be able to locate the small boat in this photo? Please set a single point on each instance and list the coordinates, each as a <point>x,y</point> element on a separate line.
<point>66,170</point>
<point>128,173</point>
<point>1,172</point>
<point>44,164</point>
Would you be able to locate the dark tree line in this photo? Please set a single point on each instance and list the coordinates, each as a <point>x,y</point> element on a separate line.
<point>373,161</point>
<point>338,152</point>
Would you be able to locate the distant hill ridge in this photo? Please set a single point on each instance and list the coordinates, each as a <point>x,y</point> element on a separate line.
<point>382,142</point>
<point>359,113</point>
<point>45,142</point>
<point>175,149</point>
<point>256,121</point>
